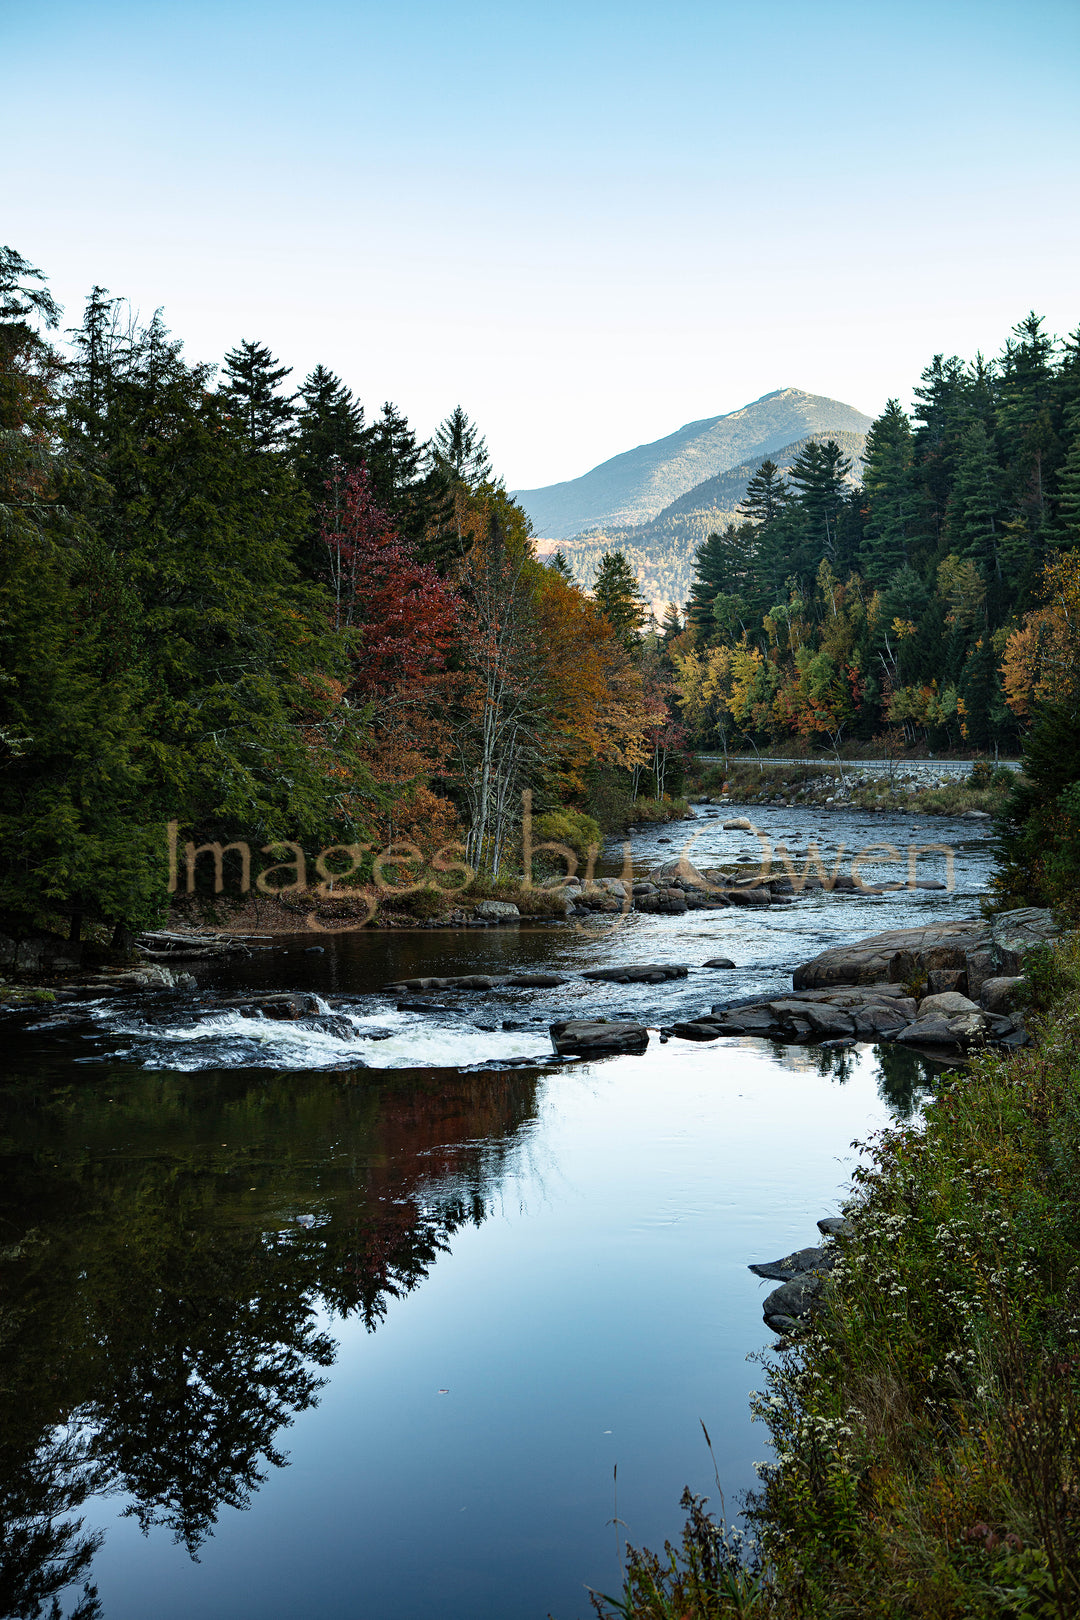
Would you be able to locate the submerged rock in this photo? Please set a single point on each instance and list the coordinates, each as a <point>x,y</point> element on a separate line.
<point>639,973</point>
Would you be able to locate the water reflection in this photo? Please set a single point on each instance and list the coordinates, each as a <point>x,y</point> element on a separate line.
<point>171,1252</point>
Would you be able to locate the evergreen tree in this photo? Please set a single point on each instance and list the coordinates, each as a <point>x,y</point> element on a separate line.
<point>889,488</point>
<point>329,429</point>
<point>247,733</point>
<point>460,451</point>
<point>766,496</point>
<point>722,564</point>
<point>819,476</point>
<point>972,526</point>
<point>559,565</point>
<point>671,625</point>
<point>73,743</point>
<point>1026,418</point>
<point>619,599</point>
<point>250,386</point>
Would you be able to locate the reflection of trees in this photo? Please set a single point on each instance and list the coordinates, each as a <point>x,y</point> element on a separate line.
<point>158,1313</point>
<point>905,1077</point>
<point>42,1549</point>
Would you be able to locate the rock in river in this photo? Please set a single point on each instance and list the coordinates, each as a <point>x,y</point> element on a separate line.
<point>584,1037</point>
<point>640,973</point>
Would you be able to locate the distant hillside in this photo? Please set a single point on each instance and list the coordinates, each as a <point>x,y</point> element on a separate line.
<point>637,486</point>
<point>662,551</point>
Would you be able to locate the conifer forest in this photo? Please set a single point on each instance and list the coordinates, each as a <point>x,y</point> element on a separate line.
<point>251,605</point>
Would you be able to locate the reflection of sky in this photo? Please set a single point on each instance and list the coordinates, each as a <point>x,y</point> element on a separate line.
<point>589,223</point>
<point>595,1319</point>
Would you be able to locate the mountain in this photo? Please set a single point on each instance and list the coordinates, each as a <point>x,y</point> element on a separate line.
<point>638,485</point>
<point>661,552</point>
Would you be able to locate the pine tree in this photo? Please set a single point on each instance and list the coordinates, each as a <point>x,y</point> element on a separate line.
<point>617,596</point>
<point>250,386</point>
<point>559,565</point>
<point>889,488</point>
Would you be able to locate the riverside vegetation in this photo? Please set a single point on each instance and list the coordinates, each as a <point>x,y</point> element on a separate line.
<point>927,1426</point>
<point>261,616</point>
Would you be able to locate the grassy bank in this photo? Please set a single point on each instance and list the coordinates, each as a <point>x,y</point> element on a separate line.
<point>927,1430</point>
<point>984,788</point>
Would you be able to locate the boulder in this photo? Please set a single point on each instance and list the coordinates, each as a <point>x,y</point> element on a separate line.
<point>719,962</point>
<point>835,1226</point>
<point>950,1002</point>
<point>877,1018</point>
<point>791,1305</point>
<point>1014,933</point>
<point>820,1017</point>
<point>1000,995</point>
<point>959,1031</point>
<point>583,1037</point>
<point>738,824</point>
<point>749,897</point>
<point>938,980</point>
<point>678,873</point>
<point>665,902</point>
<point>979,965</point>
<point>536,981</point>
<point>496,911</point>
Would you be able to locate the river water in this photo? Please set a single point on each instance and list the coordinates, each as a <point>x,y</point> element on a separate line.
<point>364,1325</point>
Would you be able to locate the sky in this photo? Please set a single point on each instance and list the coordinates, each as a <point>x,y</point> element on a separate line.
<point>588,223</point>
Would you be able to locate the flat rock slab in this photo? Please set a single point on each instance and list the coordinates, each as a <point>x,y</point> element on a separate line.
<point>698,1029</point>
<point>640,973</point>
<point>582,1037</point>
<point>893,955</point>
<point>281,1004</point>
<point>968,946</point>
<point>791,1265</point>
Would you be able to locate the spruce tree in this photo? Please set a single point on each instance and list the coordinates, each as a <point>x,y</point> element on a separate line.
<point>252,378</point>
<point>767,494</point>
<point>889,488</point>
<point>616,592</point>
<point>819,476</point>
<point>972,521</point>
<point>73,740</point>
<point>460,451</point>
<point>559,565</point>
<point>329,428</point>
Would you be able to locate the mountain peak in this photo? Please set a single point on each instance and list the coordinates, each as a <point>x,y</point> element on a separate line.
<point>635,486</point>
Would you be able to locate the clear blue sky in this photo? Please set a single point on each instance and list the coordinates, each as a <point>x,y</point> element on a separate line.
<point>587,223</point>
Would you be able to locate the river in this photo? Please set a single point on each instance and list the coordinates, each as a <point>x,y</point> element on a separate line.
<point>301,1325</point>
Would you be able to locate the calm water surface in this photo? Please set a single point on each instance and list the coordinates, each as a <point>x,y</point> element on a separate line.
<point>309,1325</point>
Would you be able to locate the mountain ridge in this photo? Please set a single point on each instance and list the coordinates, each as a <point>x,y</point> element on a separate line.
<point>636,485</point>
<point>661,551</point>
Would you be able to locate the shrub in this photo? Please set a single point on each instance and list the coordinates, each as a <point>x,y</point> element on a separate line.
<point>571,827</point>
